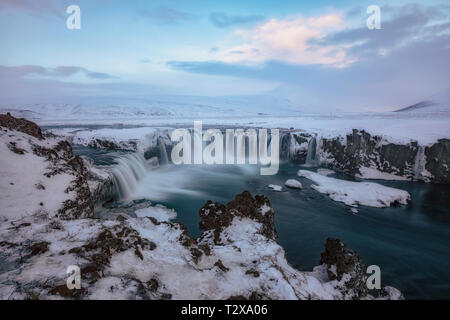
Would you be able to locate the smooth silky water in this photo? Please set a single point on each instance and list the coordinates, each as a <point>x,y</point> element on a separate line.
<point>411,243</point>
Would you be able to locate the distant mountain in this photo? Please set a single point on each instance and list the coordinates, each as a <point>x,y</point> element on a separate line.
<point>439,102</point>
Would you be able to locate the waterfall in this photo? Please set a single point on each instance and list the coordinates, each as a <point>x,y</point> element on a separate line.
<point>419,163</point>
<point>311,155</point>
<point>164,159</point>
<point>285,146</point>
<point>127,173</point>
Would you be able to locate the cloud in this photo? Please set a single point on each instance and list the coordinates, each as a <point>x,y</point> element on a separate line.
<point>404,25</point>
<point>58,72</point>
<point>291,40</point>
<point>223,20</point>
<point>405,61</point>
<point>166,15</point>
<point>41,7</point>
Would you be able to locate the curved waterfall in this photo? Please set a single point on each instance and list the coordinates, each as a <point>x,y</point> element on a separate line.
<point>130,169</point>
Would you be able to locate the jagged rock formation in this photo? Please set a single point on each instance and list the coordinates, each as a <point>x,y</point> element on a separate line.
<point>22,125</point>
<point>216,216</point>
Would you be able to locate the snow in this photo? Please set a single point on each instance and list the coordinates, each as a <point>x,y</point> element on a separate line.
<point>325,172</point>
<point>439,102</point>
<point>122,137</point>
<point>293,183</point>
<point>372,173</point>
<point>356,193</point>
<point>275,187</point>
<point>159,212</point>
<point>265,209</point>
<point>24,189</point>
<point>181,111</point>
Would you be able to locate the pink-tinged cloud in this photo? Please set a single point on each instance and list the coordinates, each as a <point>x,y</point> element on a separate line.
<point>291,40</point>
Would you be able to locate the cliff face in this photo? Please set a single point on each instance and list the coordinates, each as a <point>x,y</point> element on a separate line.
<point>438,161</point>
<point>360,151</point>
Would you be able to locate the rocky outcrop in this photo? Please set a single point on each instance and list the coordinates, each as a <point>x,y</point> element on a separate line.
<point>438,161</point>
<point>341,261</point>
<point>22,125</point>
<point>216,217</point>
<point>345,266</point>
<point>361,149</point>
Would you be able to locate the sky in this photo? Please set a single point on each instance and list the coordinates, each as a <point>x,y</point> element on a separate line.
<point>318,54</point>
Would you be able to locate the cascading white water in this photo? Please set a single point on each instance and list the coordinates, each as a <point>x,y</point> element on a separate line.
<point>164,159</point>
<point>130,169</point>
<point>419,163</point>
<point>311,155</point>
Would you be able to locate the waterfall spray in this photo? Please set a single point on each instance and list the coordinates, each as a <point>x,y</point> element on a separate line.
<point>130,169</point>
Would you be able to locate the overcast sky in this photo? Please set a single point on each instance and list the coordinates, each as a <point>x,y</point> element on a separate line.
<point>317,53</point>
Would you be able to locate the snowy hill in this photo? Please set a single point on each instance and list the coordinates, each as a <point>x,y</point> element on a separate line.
<point>439,102</point>
<point>102,108</point>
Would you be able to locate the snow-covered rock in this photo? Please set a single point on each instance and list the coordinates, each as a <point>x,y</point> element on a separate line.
<point>325,172</point>
<point>159,212</point>
<point>293,183</point>
<point>275,187</point>
<point>237,256</point>
<point>356,193</point>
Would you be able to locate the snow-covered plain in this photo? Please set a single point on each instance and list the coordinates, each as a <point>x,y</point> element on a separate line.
<point>356,193</point>
<point>180,111</point>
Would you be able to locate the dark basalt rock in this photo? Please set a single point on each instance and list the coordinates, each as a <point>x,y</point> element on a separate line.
<point>22,125</point>
<point>39,248</point>
<point>216,216</point>
<point>13,147</point>
<point>438,161</point>
<point>341,260</point>
<point>364,150</point>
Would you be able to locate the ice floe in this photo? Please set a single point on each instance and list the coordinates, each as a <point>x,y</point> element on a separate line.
<point>356,193</point>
